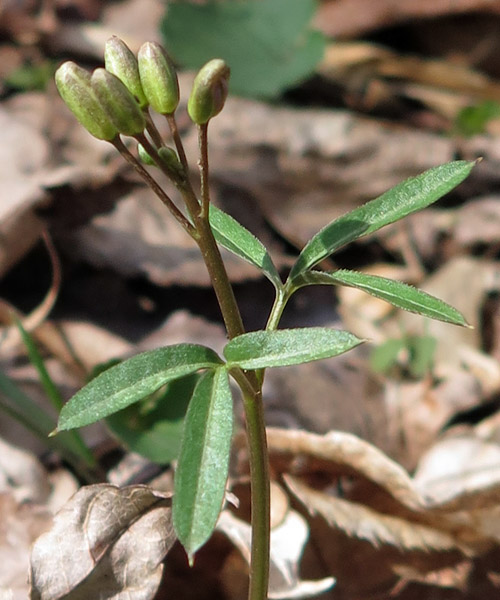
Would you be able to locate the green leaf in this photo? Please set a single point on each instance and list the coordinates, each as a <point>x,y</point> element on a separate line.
<point>396,293</point>
<point>262,349</point>
<point>26,411</point>
<point>132,380</point>
<point>201,475</point>
<point>52,392</point>
<point>472,120</point>
<point>238,240</point>
<point>36,360</point>
<point>405,198</point>
<point>268,45</point>
<point>153,427</point>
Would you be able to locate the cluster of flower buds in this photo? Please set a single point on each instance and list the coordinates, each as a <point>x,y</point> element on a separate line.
<point>113,101</point>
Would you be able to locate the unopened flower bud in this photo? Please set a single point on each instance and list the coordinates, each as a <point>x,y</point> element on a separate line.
<point>120,106</point>
<point>171,160</point>
<point>209,91</point>
<point>75,88</point>
<point>158,78</point>
<point>144,156</point>
<point>121,61</point>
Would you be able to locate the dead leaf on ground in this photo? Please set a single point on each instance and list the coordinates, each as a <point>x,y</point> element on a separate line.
<point>352,17</point>
<point>105,540</point>
<point>461,375</point>
<point>381,516</point>
<point>140,238</point>
<point>29,496</point>
<point>287,544</point>
<point>134,21</point>
<point>20,525</point>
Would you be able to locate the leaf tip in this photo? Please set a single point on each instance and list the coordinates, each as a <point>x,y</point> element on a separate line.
<point>53,433</point>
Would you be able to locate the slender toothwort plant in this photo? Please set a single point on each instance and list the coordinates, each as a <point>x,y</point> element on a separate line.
<point>115,102</point>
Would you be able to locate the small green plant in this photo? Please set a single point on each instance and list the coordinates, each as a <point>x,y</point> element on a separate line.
<point>473,120</point>
<point>18,405</point>
<point>115,101</point>
<point>419,354</point>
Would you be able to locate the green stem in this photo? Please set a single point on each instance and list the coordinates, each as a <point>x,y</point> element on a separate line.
<point>219,278</point>
<point>248,381</point>
<point>277,310</point>
<point>249,384</point>
<point>260,494</point>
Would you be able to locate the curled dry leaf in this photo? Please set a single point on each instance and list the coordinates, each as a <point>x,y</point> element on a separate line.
<point>364,523</point>
<point>393,528</point>
<point>340,453</point>
<point>449,577</point>
<point>105,541</point>
<point>353,17</point>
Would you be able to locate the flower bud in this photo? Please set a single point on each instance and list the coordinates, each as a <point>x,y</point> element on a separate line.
<point>73,84</point>
<point>171,160</point>
<point>158,78</point>
<point>121,61</point>
<point>144,156</point>
<point>119,104</point>
<point>209,91</point>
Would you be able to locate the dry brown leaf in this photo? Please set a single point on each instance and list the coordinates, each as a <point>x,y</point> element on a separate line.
<point>134,21</point>
<point>91,344</point>
<point>449,577</point>
<point>20,524</point>
<point>417,411</point>
<point>181,327</point>
<point>342,453</point>
<point>462,473</point>
<point>477,221</point>
<point>376,76</point>
<point>140,238</point>
<point>105,540</point>
<point>359,521</point>
<point>353,17</point>
<point>22,475</point>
